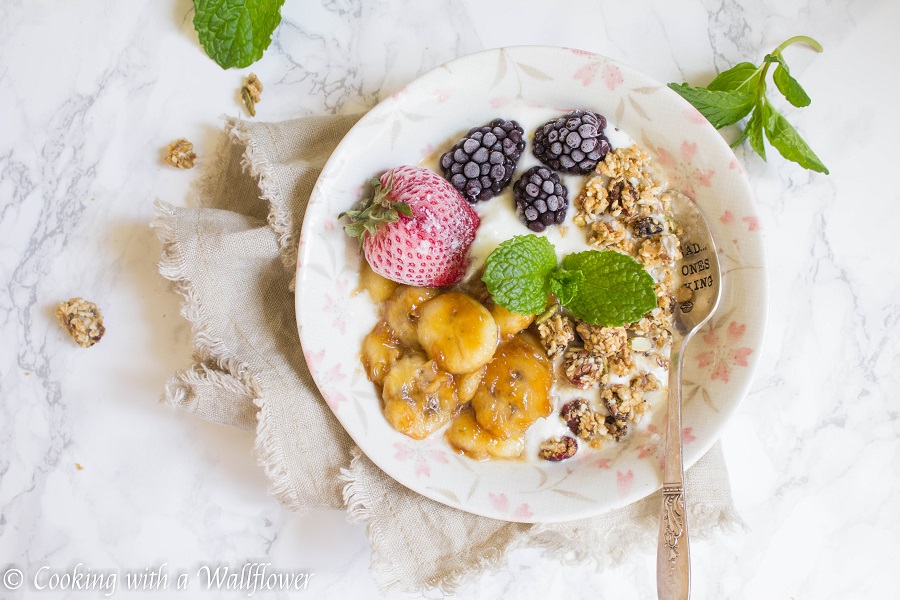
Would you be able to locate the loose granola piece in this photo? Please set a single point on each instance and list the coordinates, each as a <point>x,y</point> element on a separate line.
<point>665,300</point>
<point>556,449</point>
<point>556,334</point>
<point>616,428</point>
<point>83,321</point>
<point>645,382</point>
<point>603,234</point>
<point>624,401</point>
<point>624,162</point>
<point>583,369</point>
<point>622,362</point>
<point>582,420</point>
<point>591,202</point>
<point>181,154</point>
<point>646,227</point>
<point>602,341</point>
<point>658,251</point>
<point>622,197</point>
<point>250,93</point>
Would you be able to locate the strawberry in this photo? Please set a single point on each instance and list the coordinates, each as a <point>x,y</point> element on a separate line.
<point>416,229</point>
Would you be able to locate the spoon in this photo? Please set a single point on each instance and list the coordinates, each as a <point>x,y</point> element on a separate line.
<point>697,291</point>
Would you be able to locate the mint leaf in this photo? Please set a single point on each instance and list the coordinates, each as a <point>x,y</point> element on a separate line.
<point>617,290</point>
<point>564,284</point>
<point>235,33</point>
<point>790,87</point>
<point>788,142</point>
<point>755,126</point>
<point>517,273</point>
<point>734,93</point>
<point>720,108</point>
<point>741,75</point>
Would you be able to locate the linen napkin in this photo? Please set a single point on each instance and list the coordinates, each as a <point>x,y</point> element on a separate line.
<point>232,258</point>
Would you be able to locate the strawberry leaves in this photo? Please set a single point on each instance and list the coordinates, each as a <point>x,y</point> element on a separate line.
<point>371,213</point>
<point>741,91</point>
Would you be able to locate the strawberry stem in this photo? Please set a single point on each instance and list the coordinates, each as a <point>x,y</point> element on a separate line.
<point>370,213</point>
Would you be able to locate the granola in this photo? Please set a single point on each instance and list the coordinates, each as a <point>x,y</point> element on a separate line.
<point>83,321</point>
<point>251,93</point>
<point>556,449</point>
<point>556,334</point>
<point>181,154</point>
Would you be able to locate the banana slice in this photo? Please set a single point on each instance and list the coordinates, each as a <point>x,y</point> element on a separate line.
<point>379,288</point>
<point>510,323</point>
<point>467,385</point>
<point>458,332</point>
<point>401,311</point>
<point>379,352</point>
<point>467,436</point>
<point>515,390</point>
<point>418,396</point>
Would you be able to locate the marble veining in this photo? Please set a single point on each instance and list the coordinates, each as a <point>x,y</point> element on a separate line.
<point>93,470</point>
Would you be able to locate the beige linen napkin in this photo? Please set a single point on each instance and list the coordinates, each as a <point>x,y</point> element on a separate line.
<point>232,259</point>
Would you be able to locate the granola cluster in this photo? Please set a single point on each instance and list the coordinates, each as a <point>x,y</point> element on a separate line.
<point>556,334</point>
<point>623,208</point>
<point>181,154</point>
<point>251,93</point>
<point>83,321</point>
<point>556,449</point>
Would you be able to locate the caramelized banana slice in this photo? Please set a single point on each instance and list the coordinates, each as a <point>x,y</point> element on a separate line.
<point>510,323</point>
<point>379,288</point>
<point>379,352</point>
<point>401,311</point>
<point>467,385</point>
<point>467,436</point>
<point>515,390</point>
<point>458,332</point>
<point>418,396</point>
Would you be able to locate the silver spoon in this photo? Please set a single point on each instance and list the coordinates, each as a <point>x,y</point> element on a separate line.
<point>697,295</point>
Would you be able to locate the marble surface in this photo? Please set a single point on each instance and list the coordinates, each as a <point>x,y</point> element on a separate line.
<point>94,471</point>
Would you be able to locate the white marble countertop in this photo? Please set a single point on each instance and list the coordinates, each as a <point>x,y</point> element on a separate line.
<point>94,470</point>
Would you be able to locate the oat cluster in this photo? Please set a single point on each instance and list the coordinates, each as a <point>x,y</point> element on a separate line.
<point>251,93</point>
<point>83,321</point>
<point>556,334</point>
<point>556,449</point>
<point>181,154</point>
<point>625,208</point>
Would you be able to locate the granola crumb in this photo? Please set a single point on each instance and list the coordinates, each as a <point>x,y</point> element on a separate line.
<point>602,341</point>
<point>83,321</point>
<point>556,334</point>
<point>251,93</point>
<point>79,467</point>
<point>582,368</point>
<point>582,420</point>
<point>556,449</point>
<point>181,154</point>
<point>625,404</point>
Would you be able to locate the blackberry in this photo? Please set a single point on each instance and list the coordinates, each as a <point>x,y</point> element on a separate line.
<point>482,163</point>
<point>573,143</point>
<point>541,198</point>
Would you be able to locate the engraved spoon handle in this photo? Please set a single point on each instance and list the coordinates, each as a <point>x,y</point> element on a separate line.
<point>673,567</point>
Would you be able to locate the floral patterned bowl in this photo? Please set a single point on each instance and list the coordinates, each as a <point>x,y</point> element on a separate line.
<point>409,128</point>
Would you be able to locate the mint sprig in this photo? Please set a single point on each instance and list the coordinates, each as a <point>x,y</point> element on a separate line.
<point>602,288</point>
<point>518,273</point>
<point>235,33</point>
<point>620,290</point>
<point>741,91</point>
